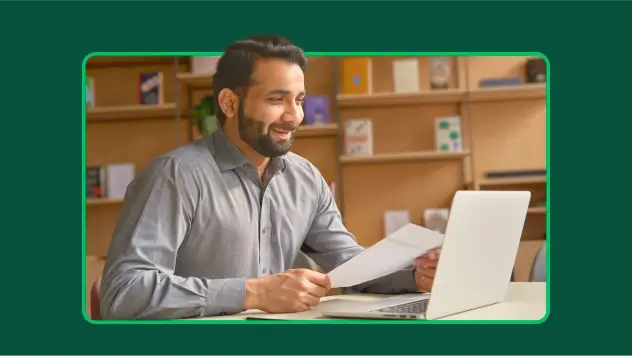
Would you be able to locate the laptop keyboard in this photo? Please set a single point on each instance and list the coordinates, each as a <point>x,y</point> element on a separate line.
<point>416,307</point>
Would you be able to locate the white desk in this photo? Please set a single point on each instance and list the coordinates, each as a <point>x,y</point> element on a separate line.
<point>525,301</point>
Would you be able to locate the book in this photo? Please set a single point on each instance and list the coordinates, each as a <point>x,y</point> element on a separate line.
<point>204,64</point>
<point>395,220</point>
<point>316,110</point>
<point>494,82</point>
<point>150,88</point>
<point>440,73</point>
<point>359,137</point>
<point>357,75</point>
<point>90,94</point>
<point>95,182</point>
<point>448,134</point>
<point>118,177</point>
<point>406,75</point>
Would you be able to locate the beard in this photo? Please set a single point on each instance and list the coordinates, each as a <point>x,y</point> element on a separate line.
<point>252,131</point>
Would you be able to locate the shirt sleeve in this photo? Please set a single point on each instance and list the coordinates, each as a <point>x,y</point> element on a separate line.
<point>330,244</point>
<point>138,280</point>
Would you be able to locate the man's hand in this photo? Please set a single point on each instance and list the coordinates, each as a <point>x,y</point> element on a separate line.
<point>291,291</point>
<point>425,268</point>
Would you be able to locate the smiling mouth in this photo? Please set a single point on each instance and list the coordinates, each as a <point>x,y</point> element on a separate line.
<point>282,131</point>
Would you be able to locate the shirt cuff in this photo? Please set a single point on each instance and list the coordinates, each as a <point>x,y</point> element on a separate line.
<point>225,296</point>
<point>404,281</point>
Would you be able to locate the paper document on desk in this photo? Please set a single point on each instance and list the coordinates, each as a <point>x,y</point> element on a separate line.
<point>395,252</point>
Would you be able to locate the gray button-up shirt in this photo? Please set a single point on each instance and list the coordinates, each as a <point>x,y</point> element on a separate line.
<point>198,221</point>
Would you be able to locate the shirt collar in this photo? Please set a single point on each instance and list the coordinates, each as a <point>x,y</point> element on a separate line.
<point>228,156</point>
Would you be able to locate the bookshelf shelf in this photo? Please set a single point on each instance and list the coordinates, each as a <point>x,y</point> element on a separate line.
<point>537,210</point>
<point>129,61</point>
<point>130,112</point>
<point>404,157</point>
<point>515,92</point>
<point>196,80</point>
<point>401,99</point>
<point>317,130</point>
<point>512,181</point>
<point>102,201</point>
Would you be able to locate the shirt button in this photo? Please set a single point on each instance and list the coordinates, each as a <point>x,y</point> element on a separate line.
<point>265,270</point>
<point>264,230</point>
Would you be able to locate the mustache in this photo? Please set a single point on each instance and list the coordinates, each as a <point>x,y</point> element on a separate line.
<point>284,126</point>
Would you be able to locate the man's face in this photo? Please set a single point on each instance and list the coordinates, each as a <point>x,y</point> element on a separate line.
<point>272,110</point>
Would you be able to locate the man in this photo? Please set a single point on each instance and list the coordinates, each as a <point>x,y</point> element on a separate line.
<point>213,227</point>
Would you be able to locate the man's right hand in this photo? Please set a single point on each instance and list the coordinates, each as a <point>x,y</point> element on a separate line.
<point>295,290</point>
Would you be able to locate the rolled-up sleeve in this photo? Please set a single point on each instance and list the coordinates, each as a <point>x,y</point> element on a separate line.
<point>330,244</point>
<point>138,278</point>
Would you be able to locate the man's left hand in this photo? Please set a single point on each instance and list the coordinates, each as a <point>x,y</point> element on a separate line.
<point>425,268</point>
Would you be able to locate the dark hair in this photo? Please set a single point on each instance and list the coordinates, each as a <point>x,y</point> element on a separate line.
<point>237,64</point>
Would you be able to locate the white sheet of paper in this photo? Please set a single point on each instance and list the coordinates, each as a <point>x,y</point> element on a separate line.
<point>390,255</point>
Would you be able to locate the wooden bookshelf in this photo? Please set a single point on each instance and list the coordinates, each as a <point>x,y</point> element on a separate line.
<point>404,157</point>
<point>401,99</point>
<point>512,181</point>
<point>509,93</point>
<point>317,130</point>
<point>503,128</point>
<point>102,201</point>
<point>131,112</point>
<point>196,80</point>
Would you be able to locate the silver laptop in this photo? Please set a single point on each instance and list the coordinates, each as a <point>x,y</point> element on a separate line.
<point>479,250</point>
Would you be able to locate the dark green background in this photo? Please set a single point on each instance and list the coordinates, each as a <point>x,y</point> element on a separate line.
<point>41,49</point>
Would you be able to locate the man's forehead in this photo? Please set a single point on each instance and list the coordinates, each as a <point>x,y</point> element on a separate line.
<point>276,72</point>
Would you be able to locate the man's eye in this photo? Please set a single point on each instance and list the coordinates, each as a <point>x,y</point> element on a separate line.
<point>275,100</point>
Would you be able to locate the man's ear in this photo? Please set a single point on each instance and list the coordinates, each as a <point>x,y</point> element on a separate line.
<point>228,102</point>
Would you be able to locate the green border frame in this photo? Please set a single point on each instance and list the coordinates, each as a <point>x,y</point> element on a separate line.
<point>324,321</point>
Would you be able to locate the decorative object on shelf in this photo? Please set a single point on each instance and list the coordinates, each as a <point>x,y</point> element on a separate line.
<point>90,93</point>
<point>357,75</point>
<point>406,75</point>
<point>204,116</point>
<point>436,219</point>
<point>448,134</point>
<point>359,137</point>
<point>536,70</point>
<point>440,72</point>
<point>395,220</point>
<point>316,110</point>
<point>204,64</point>
<point>150,88</point>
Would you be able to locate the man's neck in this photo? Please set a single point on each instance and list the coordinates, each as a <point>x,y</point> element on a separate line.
<point>251,155</point>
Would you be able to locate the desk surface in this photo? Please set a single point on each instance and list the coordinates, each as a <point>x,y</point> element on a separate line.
<point>525,301</point>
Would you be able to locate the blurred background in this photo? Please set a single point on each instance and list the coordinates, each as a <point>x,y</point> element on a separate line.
<point>395,137</point>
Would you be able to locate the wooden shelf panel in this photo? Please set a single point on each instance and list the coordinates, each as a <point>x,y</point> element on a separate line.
<point>503,93</point>
<point>401,99</point>
<point>196,80</point>
<point>131,112</point>
<point>130,61</point>
<point>102,201</point>
<point>513,181</point>
<point>317,130</point>
<point>537,210</point>
<point>404,157</point>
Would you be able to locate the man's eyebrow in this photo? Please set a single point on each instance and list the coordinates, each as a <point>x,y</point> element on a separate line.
<point>282,92</point>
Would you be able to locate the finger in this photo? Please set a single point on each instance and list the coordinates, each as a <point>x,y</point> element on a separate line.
<point>318,278</point>
<point>425,262</point>
<point>314,289</point>
<point>309,299</point>
<point>424,283</point>
<point>427,272</point>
